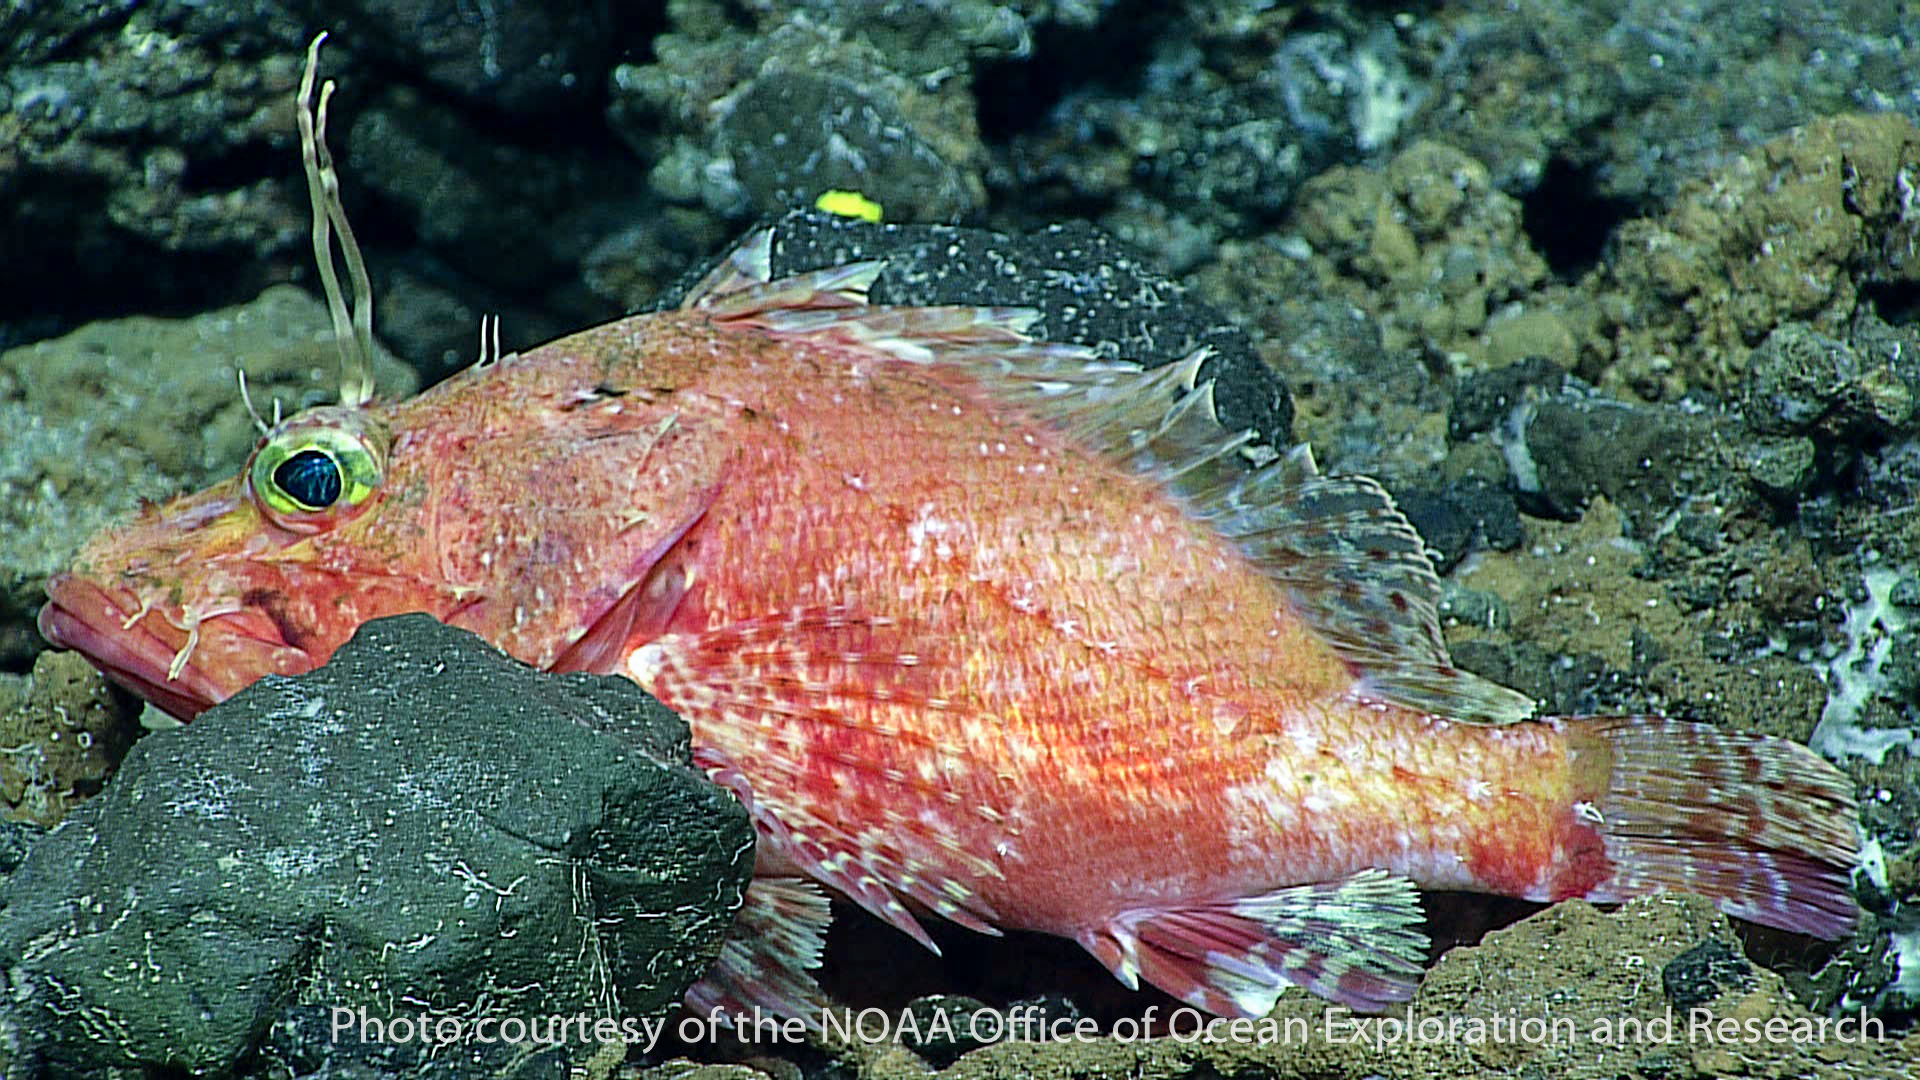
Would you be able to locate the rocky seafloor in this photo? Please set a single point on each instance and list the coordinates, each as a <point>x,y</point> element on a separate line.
<point>1618,299</point>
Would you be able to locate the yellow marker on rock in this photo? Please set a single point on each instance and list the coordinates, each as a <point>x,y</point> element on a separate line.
<point>850,204</point>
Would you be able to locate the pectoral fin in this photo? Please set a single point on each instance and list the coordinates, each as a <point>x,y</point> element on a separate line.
<point>643,611</point>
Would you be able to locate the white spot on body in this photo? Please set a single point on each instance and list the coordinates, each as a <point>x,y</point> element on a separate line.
<point>645,663</point>
<point>1022,750</point>
<point>927,526</point>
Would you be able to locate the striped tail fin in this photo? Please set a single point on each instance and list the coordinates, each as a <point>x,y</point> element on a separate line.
<point>1762,826</point>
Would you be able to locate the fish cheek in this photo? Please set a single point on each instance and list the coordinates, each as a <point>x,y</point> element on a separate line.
<point>273,605</point>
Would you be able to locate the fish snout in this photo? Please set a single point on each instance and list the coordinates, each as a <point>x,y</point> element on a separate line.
<point>182,665</point>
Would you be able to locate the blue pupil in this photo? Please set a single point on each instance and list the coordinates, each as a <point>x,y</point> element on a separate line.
<point>309,478</point>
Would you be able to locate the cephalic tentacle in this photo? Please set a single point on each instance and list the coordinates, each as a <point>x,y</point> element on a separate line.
<point>352,328</point>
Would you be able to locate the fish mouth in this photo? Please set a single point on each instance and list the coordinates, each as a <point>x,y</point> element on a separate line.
<point>140,648</point>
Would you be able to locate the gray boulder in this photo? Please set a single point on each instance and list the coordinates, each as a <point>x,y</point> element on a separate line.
<point>422,828</point>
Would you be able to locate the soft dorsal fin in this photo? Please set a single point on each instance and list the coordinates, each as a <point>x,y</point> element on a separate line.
<point>1358,573</point>
<point>1353,568</point>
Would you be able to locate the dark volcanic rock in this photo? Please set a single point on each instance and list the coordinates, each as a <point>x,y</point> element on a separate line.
<point>1700,974</point>
<point>529,59</point>
<point>1485,399</point>
<point>423,826</point>
<point>304,1043</point>
<point>1591,445</point>
<point>1565,443</point>
<point>1454,518</point>
<point>794,134</point>
<point>1800,381</point>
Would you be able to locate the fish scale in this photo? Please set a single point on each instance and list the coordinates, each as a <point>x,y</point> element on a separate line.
<point>977,627</point>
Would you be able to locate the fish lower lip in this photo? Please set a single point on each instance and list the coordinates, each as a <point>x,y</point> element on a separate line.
<point>96,623</point>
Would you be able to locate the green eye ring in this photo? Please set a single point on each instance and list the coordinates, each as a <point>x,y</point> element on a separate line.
<point>307,476</point>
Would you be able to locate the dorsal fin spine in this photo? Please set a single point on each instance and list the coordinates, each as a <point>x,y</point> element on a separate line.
<point>1351,566</point>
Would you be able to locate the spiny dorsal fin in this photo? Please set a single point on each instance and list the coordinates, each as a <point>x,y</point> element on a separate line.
<point>749,263</point>
<point>916,334</point>
<point>1352,566</point>
<point>739,288</point>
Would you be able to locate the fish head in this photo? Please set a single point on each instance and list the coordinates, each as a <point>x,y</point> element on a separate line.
<point>508,500</point>
<point>184,604</point>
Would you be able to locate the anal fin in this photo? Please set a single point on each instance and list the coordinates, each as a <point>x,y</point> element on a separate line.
<point>767,958</point>
<point>1352,942</point>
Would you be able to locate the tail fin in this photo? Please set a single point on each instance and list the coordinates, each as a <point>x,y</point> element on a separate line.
<point>1762,826</point>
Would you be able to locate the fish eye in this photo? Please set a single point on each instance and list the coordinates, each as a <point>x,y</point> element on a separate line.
<point>310,478</point>
<point>306,477</point>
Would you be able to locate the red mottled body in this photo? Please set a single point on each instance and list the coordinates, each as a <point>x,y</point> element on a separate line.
<point>977,624</point>
<point>995,634</point>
